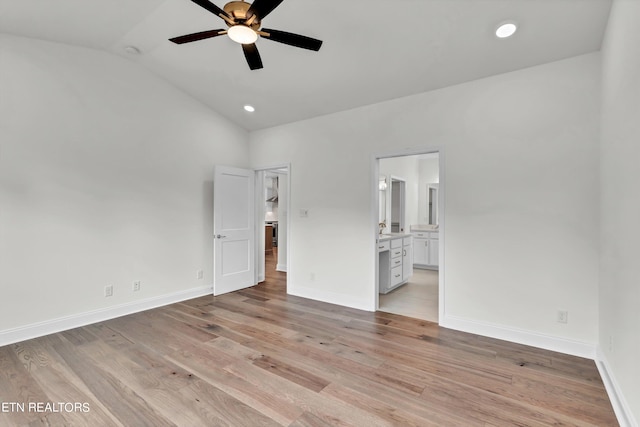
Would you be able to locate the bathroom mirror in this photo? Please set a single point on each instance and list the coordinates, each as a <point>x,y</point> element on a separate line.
<point>382,208</point>
<point>398,186</point>
<point>432,203</point>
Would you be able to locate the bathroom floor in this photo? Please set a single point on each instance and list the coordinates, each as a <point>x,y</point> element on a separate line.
<point>418,298</point>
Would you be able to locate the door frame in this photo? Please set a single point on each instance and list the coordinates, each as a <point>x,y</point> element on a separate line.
<point>375,210</point>
<point>259,219</point>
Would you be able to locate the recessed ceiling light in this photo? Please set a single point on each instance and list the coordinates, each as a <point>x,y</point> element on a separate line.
<point>249,108</point>
<point>506,29</point>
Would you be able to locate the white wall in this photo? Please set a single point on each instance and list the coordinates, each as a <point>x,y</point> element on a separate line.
<point>620,201</point>
<point>105,178</point>
<point>521,196</point>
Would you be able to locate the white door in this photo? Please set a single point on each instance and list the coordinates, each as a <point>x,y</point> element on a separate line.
<point>233,229</point>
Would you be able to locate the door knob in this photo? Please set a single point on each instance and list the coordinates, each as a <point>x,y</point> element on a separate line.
<point>218,236</point>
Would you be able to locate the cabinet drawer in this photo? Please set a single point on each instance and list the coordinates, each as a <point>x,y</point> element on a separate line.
<point>406,241</point>
<point>395,262</point>
<point>423,234</point>
<point>396,275</point>
<point>396,252</point>
<point>383,246</point>
<point>396,243</point>
<point>433,234</point>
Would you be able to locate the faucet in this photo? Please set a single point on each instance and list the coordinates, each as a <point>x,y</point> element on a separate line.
<point>382,226</point>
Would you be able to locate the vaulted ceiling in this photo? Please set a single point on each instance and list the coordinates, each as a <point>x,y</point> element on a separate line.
<point>373,50</point>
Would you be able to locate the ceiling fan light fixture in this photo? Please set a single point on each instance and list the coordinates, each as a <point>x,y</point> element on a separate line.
<point>242,34</point>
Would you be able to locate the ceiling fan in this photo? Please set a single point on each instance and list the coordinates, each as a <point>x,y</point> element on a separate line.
<point>244,21</point>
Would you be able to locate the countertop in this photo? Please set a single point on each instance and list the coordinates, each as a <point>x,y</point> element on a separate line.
<point>424,227</point>
<point>390,236</point>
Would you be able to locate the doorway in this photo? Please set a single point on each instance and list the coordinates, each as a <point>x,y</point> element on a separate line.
<point>272,224</point>
<point>250,219</point>
<point>411,206</point>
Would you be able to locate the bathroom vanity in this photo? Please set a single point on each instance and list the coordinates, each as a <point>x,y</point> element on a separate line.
<point>395,260</point>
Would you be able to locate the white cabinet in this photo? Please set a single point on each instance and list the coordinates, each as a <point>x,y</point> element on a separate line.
<point>407,258</point>
<point>426,249</point>
<point>420,250</point>
<point>395,264</point>
<point>434,247</point>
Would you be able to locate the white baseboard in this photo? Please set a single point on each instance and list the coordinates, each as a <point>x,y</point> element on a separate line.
<point>34,330</point>
<point>281,267</point>
<point>330,297</point>
<point>620,405</point>
<point>534,339</point>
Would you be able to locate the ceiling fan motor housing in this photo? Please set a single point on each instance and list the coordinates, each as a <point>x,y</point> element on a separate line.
<point>238,11</point>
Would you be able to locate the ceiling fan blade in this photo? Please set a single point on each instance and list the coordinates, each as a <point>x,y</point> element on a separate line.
<point>211,7</point>
<point>292,39</point>
<point>263,7</point>
<point>252,55</point>
<point>188,38</point>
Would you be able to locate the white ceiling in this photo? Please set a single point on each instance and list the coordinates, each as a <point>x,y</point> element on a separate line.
<point>373,50</point>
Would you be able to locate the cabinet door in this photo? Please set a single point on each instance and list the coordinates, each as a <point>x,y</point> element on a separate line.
<point>396,275</point>
<point>433,252</point>
<point>420,251</point>
<point>407,265</point>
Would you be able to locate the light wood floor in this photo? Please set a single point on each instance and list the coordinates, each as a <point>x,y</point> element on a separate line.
<point>418,298</point>
<point>259,357</point>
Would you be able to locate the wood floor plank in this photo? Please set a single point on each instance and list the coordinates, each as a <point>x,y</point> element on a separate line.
<point>17,388</point>
<point>228,409</point>
<point>60,389</point>
<point>121,401</point>
<point>340,349</point>
<point>309,420</point>
<point>387,411</point>
<point>332,411</point>
<point>262,357</point>
<point>269,404</point>
<point>477,406</point>
<point>291,373</point>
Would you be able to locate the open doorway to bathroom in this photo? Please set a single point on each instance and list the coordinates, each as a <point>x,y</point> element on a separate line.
<point>409,260</point>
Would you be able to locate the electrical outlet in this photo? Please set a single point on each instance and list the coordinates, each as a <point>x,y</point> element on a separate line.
<point>304,213</point>
<point>563,316</point>
<point>108,291</point>
<point>200,274</point>
<point>136,286</point>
